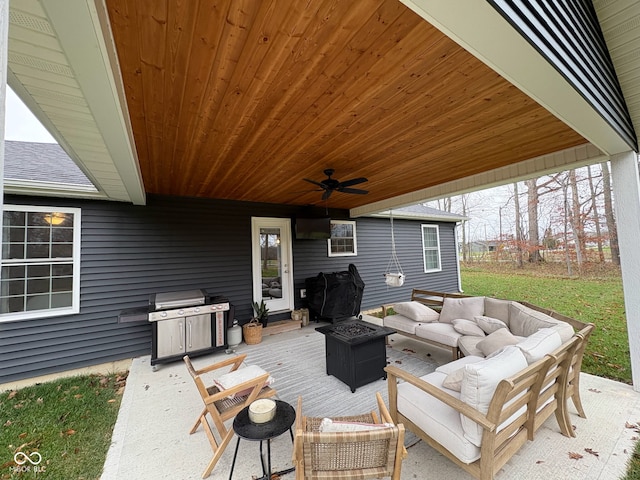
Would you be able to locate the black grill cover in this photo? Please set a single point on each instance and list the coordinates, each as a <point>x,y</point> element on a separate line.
<point>335,296</point>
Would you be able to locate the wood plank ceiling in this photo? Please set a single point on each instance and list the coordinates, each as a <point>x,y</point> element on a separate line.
<point>242,99</point>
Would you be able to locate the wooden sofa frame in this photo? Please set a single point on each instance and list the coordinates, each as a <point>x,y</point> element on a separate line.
<point>541,387</point>
<point>497,447</point>
<point>432,300</point>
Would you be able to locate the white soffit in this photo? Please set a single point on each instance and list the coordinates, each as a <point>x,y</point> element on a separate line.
<point>620,24</point>
<point>62,69</point>
<point>556,162</point>
<point>478,28</point>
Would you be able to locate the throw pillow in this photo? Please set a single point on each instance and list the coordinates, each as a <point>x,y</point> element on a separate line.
<point>525,321</point>
<point>495,341</point>
<point>236,377</point>
<point>330,425</point>
<point>467,327</point>
<point>416,311</point>
<point>453,381</point>
<point>536,346</point>
<point>466,307</point>
<point>489,324</point>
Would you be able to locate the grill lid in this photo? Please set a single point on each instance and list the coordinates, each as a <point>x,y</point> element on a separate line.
<point>186,298</point>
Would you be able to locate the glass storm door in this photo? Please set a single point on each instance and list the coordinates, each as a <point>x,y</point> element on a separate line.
<point>272,262</point>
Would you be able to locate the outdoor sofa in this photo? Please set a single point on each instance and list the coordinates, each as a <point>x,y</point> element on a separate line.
<point>479,409</point>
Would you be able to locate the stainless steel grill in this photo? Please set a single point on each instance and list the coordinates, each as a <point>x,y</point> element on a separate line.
<point>186,322</point>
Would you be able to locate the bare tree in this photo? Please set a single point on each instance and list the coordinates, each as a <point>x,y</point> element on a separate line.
<point>575,219</point>
<point>535,190</point>
<point>565,233</point>
<point>594,212</point>
<point>608,214</point>
<point>532,214</point>
<point>519,239</point>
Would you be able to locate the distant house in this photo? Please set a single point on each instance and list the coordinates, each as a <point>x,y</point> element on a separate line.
<point>71,265</point>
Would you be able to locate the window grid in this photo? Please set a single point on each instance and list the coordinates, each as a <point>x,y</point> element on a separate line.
<point>343,239</point>
<point>38,262</point>
<point>431,248</point>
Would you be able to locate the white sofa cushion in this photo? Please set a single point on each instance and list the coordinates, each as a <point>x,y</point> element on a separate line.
<point>489,324</point>
<point>436,419</point>
<point>439,332</point>
<point>479,384</point>
<point>497,308</point>
<point>467,327</point>
<point>447,368</point>
<point>467,307</point>
<point>496,340</point>
<point>236,377</point>
<point>525,321</point>
<point>536,346</point>
<point>331,425</point>
<point>416,311</point>
<point>400,322</point>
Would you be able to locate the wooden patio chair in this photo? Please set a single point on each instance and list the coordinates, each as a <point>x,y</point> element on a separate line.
<point>223,405</point>
<point>374,453</point>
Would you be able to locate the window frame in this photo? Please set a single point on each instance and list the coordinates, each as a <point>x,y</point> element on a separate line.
<point>354,253</point>
<point>75,259</point>
<point>423,227</point>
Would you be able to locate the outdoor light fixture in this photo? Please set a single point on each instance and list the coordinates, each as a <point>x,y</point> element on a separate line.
<point>54,218</point>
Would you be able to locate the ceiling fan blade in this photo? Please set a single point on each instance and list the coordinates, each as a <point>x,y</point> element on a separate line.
<point>326,194</point>
<point>353,190</point>
<point>321,185</point>
<point>353,181</point>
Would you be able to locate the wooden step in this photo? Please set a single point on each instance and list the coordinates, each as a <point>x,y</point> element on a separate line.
<point>281,326</point>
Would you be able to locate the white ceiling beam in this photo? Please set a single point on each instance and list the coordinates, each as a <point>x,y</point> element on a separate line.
<point>556,162</point>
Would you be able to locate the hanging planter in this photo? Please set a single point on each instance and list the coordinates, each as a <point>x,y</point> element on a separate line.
<point>394,279</point>
<point>394,276</point>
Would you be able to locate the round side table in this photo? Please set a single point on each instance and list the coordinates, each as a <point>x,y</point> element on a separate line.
<point>245,428</point>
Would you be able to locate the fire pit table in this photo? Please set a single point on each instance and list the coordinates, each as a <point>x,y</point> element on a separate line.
<point>355,351</point>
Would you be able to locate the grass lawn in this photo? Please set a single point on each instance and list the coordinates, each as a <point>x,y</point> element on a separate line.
<point>64,427</point>
<point>595,297</point>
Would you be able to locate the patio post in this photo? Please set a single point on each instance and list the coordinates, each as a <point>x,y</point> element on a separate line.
<point>626,190</point>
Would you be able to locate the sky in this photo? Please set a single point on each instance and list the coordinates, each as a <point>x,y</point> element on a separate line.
<point>21,124</point>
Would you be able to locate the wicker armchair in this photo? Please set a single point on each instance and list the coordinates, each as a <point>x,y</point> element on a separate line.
<point>375,453</point>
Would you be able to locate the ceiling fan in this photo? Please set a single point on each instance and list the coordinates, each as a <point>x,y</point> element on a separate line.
<point>329,185</point>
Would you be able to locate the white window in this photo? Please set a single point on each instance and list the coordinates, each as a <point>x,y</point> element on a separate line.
<point>431,248</point>
<point>40,274</point>
<point>343,239</point>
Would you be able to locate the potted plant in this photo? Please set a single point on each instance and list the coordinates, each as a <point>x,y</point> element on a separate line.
<point>262,312</point>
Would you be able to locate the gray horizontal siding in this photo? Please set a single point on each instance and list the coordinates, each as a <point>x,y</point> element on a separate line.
<point>374,252</point>
<point>129,252</point>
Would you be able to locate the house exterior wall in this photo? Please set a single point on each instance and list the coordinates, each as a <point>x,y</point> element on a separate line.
<point>129,252</point>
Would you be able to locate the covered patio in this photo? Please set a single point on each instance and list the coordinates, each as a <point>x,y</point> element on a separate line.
<point>158,408</point>
<point>243,101</point>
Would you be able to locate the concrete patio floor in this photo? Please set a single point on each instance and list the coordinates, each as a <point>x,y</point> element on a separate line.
<point>151,439</point>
